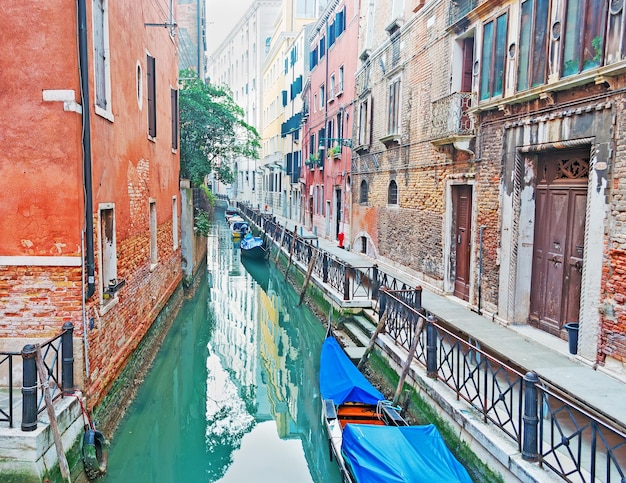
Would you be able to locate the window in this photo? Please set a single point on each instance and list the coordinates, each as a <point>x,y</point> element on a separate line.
<point>365,122</point>
<point>153,235</point>
<point>322,47</point>
<point>363,193</point>
<point>340,81</point>
<point>340,124</point>
<point>493,56</point>
<point>101,57</point>
<point>322,96</point>
<point>331,93</point>
<point>175,222</point>
<point>533,41</point>
<point>174,117</point>
<point>340,21</point>
<point>139,86</point>
<point>392,193</point>
<point>583,45</point>
<point>393,120</point>
<point>151,79</point>
<point>108,249</point>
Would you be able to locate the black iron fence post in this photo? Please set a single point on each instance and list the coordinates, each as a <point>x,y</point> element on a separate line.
<point>346,282</point>
<point>67,352</point>
<point>325,267</point>
<point>375,282</point>
<point>531,420</point>
<point>418,298</point>
<point>431,347</point>
<point>29,388</point>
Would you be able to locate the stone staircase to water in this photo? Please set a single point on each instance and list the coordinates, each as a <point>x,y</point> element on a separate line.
<point>355,333</point>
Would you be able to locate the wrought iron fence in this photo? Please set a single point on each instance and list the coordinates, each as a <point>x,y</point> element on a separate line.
<point>6,402</point>
<point>565,438</point>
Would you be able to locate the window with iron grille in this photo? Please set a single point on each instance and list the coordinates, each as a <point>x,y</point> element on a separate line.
<point>363,193</point>
<point>392,193</point>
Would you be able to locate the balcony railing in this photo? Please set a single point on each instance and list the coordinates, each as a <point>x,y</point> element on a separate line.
<point>459,9</point>
<point>450,117</point>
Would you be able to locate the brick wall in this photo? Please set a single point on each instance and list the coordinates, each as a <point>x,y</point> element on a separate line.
<point>117,332</point>
<point>37,301</point>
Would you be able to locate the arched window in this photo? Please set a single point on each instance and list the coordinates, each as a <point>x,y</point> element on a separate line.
<point>363,192</point>
<point>392,193</point>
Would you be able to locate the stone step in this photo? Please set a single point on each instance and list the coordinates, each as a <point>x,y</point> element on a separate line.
<point>366,324</point>
<point>357,333</point>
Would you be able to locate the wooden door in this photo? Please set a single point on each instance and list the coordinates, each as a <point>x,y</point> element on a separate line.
<point>462,214</point>
<point>560,207</point>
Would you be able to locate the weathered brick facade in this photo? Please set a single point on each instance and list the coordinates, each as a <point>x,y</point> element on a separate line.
<point>134,164</point>
<point>432,50</point>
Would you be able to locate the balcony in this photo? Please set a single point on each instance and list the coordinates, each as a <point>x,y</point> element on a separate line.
<point>451,123</point>
<point>459,9</point>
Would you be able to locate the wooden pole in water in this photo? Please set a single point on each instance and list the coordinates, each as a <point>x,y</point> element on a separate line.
<point>43,377</point>
<point>372,343</point>
<point>293,243</point>
<point>280,246</point>
<point>308,276</point>
<point>407,363</point>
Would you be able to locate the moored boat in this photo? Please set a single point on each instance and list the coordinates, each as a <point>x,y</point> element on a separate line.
<point>253,247</point>
<point>368,437</point>
<point>239,229</point>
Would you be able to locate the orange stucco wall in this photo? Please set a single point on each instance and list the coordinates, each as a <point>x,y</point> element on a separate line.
<point>41,180</point>
<point>40,163</point>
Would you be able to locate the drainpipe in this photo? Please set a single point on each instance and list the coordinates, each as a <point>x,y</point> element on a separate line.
<point>87,183</point>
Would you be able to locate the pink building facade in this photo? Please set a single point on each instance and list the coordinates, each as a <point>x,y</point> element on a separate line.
<point>328,127</point>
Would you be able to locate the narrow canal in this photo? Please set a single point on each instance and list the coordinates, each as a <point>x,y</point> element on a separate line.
<point>233,392</point>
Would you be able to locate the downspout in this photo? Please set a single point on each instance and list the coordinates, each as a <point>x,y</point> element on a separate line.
<point>86,144</point>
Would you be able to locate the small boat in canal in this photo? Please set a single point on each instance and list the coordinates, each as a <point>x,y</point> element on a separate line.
<point>239,229</point>
<point>253,247</point>
<point>368,437</point>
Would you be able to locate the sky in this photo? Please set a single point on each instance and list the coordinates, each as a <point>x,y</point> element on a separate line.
<point>221,17</point>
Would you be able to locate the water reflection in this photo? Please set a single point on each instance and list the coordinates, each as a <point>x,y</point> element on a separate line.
<point>233,394</point>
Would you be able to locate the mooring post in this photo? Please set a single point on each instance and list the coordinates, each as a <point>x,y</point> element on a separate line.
<point>29,388</point>
<point>431,347</point>
<point>67,352</point>
<point>531,420</point>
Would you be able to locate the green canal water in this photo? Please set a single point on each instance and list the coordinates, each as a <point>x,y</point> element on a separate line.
<point>233,393</point>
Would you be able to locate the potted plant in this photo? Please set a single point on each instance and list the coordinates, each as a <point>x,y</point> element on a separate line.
<point>335,151</point>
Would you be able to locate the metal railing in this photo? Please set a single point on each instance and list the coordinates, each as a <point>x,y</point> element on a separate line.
<point>57,356</point>
<point>6,403</point>
<point>450,116</point>
<point>546,426</point>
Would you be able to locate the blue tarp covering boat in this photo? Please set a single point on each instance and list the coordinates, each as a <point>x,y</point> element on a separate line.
<point>388,454</point>
<point>340,380</point>
<point>253,247</point>
<point>382,449</point>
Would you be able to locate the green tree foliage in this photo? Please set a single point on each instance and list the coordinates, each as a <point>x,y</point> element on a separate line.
<point>212,131</point>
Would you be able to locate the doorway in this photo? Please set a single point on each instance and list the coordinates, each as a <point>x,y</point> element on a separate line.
<point>462,229</point>
<point>558,248</point>
<point>337,212</point>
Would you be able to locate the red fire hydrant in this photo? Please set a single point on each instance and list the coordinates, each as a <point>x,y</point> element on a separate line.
<point>340,237</point>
